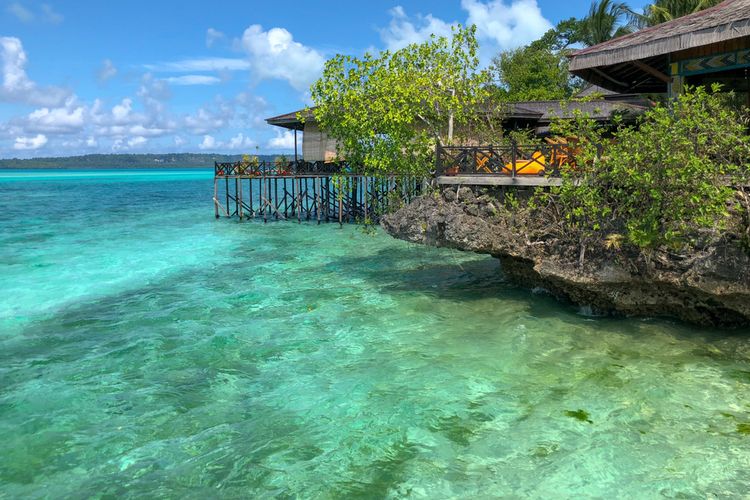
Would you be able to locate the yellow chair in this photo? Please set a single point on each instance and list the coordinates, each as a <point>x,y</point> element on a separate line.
<point>535,166</point>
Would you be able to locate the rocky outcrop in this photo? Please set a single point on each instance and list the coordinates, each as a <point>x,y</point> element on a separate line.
<point>711,287</point>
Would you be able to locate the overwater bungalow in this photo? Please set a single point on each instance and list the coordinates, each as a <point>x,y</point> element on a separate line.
<point>709,46</point>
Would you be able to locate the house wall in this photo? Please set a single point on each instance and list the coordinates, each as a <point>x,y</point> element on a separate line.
<point>316,145</point>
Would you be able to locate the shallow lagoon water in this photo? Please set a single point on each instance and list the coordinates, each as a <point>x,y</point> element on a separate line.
<point>147,349</point>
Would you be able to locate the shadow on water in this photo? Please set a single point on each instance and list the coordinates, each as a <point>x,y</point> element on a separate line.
<point>443,275</point>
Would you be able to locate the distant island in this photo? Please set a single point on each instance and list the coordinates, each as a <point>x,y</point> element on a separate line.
<point>112,161</point>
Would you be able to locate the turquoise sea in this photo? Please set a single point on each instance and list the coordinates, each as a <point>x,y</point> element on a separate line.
<point>149,350</point>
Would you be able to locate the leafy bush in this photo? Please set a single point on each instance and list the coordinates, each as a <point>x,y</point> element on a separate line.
<point>669,181</point>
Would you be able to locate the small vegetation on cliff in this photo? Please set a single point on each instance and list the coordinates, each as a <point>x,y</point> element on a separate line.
<point>675,180</point>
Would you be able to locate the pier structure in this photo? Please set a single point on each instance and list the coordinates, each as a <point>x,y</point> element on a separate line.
<point>310,191</point>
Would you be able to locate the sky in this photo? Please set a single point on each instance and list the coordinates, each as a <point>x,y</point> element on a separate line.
<point>116,76</point>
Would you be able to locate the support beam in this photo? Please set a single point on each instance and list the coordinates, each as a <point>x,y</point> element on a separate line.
<point>606,76</point>
<point>652,71</point>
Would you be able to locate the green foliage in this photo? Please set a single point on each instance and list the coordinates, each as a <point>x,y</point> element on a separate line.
<point>388,112</point>
<point>662,11</point>
<point>567,32</point>
<point>663,183</point>
<point>606,20</point>
<point>532,73</point>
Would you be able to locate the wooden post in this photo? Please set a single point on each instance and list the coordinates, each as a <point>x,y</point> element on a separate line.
<point>318,197</point>
<point>239,196</point>
<point>295,146</point>
<point>365,190</point>
<point>299,201</point>
<point>226,193</point>
<point>250,189</point>
<point>216,193</point>
<point>286,200</point>
<point>263,196</point>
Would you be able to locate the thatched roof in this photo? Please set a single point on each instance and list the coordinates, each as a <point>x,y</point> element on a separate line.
<point>606,64</point>
<point>535,113</point>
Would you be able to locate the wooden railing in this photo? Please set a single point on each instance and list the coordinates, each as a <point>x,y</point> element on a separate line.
<point>269,168</point>
<point>511,160</point>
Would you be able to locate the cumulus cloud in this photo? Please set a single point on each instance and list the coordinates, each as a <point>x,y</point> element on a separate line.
<point>404,30</point>
<point>64,120</point>
<point>121,112</point>
<point>30,143</point>
<point>16,85</point>
<point>507,25</point>
<point>274,54</point>
<point>107,71</point>
<point>193,80</point>
<point>137,141</point>
<point>501,25</point>
<point>283,140</point>
<point>213,36</point>
<point>240,142</point>
<point>209,142</point>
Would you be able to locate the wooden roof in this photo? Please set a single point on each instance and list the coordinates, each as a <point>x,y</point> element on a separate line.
<point>618,64</point>
<point>539,112</point>
<point>290,120</point>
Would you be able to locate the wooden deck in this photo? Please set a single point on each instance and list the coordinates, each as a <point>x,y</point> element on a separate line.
<point>497,180</point>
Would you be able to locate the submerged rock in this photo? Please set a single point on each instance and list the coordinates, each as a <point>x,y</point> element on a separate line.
<point>710,288</point>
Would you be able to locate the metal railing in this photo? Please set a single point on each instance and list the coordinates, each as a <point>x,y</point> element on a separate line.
<point>508,160</point>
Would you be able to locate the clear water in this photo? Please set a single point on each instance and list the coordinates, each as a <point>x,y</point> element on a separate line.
<point>147,349</point>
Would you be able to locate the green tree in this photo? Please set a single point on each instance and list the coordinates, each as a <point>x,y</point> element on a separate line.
<point>567,32</point>
<point>662,11</point>
<point>539,71</point>
<point>532,73</point>
<point>606,20</point>
<point>388,112</point>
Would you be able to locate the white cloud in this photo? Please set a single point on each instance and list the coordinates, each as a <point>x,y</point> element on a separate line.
<point>208,142</point>
<point>240,142</point>
<point>403,31</point>
<point>121,112</point>
<point>20,12</point>
<point>26,15</point>
<point>16,85</point>
<point>508,26</point>
<point>30,143</point>
<point>274,54</point>
<point>201,64</point>
<point>283,140</point>
<point>50,15</point>
<point>137,141</point>
<point>56,120</point>
<point>107,71</point>
<point>501,25</point>
<point>179,141</point>
<point>193,80</point>
<point>91,142</point>
<point>212,36</point>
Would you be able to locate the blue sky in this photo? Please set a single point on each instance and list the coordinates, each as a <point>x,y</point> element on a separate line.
<point>163,76</point>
